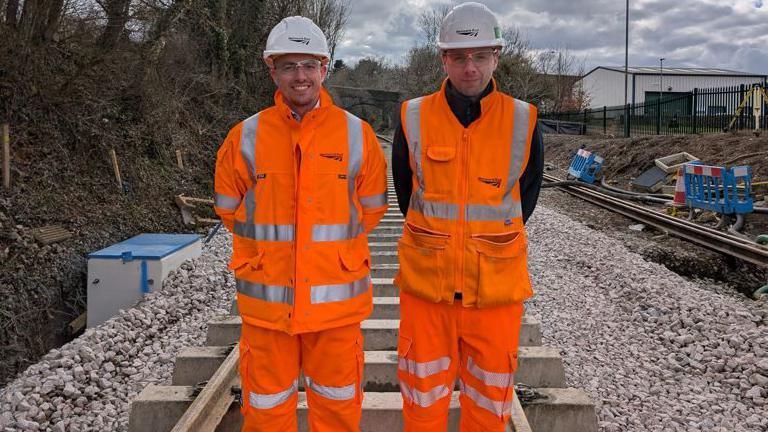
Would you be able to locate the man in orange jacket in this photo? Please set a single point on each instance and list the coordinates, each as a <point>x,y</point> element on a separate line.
<point>467,166</point>
<point>300,185</point>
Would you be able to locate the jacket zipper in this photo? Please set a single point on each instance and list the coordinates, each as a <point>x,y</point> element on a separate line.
<point>296,196</point>
<point>463,204</point>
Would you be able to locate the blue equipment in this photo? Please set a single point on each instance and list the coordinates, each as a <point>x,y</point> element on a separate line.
<point>585,166</point>
<point>719,189</point>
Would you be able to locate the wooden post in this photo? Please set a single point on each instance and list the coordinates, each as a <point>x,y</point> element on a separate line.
<point>179,160</point>
<point>116,168</point>
<point>6,156</point>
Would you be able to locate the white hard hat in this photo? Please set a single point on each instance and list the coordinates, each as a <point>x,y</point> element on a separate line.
<point>296,35</point>
<point>470,25</point>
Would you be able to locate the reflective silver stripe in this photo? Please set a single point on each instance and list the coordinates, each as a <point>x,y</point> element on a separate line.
<point>321,233</point>
<point>521,129</point>
<point>479,212</point>
<point>339,292</point>
<point>248,151</point>
<point>413,131</point>
<point>374,201</point>
<point>268,401</point>
<point>495,379</point>
<point>264,232</point>
<point>267,293</point>
<point>424,369</point>
<point>497,407</point>
<point>226,201</point>
<point>248,144</point>
<point>346,392</point>
<point>355,143</point>
<point>424,399</point>
<point>433,209</point>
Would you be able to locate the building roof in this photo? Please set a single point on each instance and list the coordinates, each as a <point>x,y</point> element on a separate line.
<point>645,70</point>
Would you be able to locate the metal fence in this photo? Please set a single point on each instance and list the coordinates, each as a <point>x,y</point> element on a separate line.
<point>700,111</point>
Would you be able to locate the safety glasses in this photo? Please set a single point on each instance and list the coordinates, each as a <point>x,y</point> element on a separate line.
<point>478,58</point>
<point>309,66</point>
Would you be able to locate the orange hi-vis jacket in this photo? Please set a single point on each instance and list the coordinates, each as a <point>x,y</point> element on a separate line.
<point>464,230</point>
<point>300,198</point>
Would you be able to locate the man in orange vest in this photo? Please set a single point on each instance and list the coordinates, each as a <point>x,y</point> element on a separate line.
<point>300,185</point>
<point>467,164</point>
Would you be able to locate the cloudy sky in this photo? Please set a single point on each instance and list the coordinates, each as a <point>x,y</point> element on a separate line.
<point>729,34</point>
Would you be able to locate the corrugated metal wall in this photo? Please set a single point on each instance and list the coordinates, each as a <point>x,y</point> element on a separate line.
<point>606,87</point>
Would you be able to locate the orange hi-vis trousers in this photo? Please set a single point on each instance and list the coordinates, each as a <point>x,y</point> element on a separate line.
<point>439,341</point>
<point>332,363</point>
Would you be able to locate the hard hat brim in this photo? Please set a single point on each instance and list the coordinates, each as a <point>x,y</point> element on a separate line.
<point>271,53</point>
<point>497,43</point>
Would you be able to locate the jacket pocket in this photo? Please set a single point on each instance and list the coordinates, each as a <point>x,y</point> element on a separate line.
<point>353,260</point>
<point>404,371</point>
<point>249,261</point>
<point>440,167</point>
<point>421,253</point>
<point>502,268</point>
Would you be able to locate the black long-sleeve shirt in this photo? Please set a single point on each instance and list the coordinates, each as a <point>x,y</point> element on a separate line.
<point>467,111</point>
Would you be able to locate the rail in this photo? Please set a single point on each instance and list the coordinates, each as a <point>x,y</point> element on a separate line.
<point>709,238</point>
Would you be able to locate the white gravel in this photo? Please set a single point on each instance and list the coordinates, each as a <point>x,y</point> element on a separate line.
<point>655,351</point>
<point>87,384</point>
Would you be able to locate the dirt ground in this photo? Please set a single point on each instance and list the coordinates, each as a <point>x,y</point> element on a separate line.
<point>626,159</point>
<point>43,287</point>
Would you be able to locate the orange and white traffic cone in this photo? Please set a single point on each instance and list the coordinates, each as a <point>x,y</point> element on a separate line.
<point>679,200</point>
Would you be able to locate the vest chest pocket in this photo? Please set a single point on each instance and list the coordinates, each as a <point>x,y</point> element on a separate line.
<point>502,268</point>
<point>421,253</point>
<point>440,171</point>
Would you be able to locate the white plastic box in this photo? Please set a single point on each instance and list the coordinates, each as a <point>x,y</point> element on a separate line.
<point>120,275</point>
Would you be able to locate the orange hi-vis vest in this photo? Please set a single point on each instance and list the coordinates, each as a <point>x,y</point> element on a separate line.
<point>464,230</point>
<point>299,198</point>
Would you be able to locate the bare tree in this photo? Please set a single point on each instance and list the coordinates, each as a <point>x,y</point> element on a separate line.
<point>117,17</point>
<point>12,12</point>
<point>430,20</point>
<point>331,16</point>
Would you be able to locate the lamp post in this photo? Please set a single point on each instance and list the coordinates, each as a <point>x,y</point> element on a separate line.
<point>626,55</point>
<point>661,78</point>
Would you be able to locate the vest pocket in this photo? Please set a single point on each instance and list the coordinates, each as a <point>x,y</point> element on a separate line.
<point>421,255</point>
<point>502,269</point>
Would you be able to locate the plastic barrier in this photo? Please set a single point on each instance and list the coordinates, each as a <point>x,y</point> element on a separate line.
<point>719,189</point>
<point>585,166</point>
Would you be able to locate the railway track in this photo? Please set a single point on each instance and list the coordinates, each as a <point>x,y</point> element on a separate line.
<point>709,238</point>
<point>205,383</point>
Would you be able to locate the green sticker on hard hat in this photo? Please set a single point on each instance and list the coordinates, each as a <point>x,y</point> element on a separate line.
<point>497,31</point>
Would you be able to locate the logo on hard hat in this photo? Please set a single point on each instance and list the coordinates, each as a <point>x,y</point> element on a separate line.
<point>304,40</point>
<point>468,32</point>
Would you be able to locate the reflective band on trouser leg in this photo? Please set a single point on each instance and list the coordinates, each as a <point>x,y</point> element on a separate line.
<point>498,408</point>
<point>343,393</point>
<point>268,401</point>
<point>424,369</point>
<point>494,379</point>
<point>373,201</point>
<point>267,293</point>
<point>434,209</point>
<point>264,232</point>
<point>336,232</point>
<point>339,292</point>
<point>424,399</point>
<point>226,201</point>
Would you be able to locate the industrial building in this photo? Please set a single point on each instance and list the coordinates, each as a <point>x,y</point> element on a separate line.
<point>604,85</point>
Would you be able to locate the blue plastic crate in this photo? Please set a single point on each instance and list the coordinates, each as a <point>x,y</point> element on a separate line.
<point>719,189</point>
<point>585,166</point>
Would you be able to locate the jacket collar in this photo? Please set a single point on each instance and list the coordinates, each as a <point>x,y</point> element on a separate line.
<point>326,102</point>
